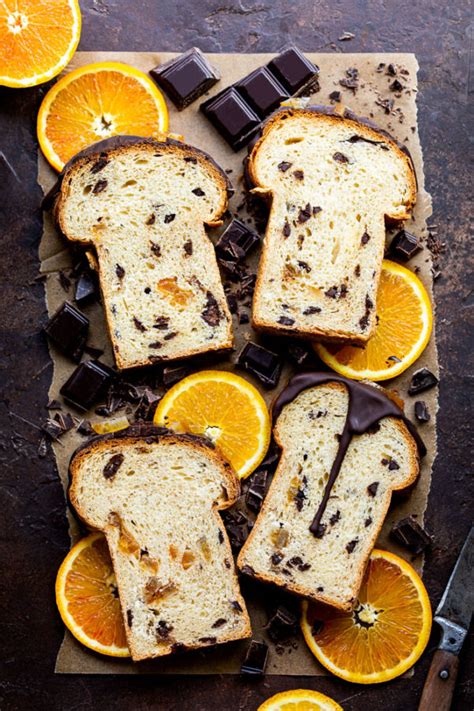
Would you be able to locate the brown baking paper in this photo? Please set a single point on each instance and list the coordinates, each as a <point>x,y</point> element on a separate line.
<point>56,255</point>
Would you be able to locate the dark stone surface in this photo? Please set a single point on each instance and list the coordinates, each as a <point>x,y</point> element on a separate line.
<point>33,535</point>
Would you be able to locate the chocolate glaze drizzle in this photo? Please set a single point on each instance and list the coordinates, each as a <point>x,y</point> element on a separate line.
<point>367,406</point>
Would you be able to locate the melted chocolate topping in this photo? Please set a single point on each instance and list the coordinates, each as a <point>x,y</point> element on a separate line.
<point>367,406</point>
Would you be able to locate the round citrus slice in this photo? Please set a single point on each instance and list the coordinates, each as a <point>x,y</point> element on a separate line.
<point>223,407</point>
<point>404,323</point>
<point>87,599</point>
<point>300,700</point>
<point>37,39</point>
<point>383,635</point>
<point>98,101</point>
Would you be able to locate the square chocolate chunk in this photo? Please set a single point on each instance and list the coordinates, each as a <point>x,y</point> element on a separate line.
<point>232,117</point>
<point>262,91</point>
<point>68,330</point>
<point>262,363</point>
<point>237,241</point>
<point>185,78</point>
<point>256,658</point>
<point>293,70</point>
<point>87,384</point>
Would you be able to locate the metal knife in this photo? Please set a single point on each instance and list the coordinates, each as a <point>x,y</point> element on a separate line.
<point>453,615</point>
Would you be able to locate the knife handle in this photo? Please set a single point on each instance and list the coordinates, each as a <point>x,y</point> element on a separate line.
<point>439,685</point>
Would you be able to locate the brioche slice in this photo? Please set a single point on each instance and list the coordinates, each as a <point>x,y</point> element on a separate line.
<point>156,498</point>
<point>324,558</point>
<point>143,205</point>
<point>332,181</point>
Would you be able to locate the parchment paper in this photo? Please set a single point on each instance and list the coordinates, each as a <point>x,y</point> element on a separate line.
<point>55,255</point>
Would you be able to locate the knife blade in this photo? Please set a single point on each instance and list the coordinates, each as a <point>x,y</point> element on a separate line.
<point>455,608</point>
<point>453,615</point>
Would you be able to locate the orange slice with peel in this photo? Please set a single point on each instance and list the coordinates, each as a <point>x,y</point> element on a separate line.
<point>300,700</point>
<point>98,101</point>
<point>383,635</point>
<point>87,599</point>
<point>405,321</point>
<point>223,407</point>
<point>37,39</point>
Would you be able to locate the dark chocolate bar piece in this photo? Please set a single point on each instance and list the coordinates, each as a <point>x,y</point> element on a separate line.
<point>265,365</point>
<point>410,534</point>
<point>68,329</point>
<point>293,70</point>
<point>422,380</point>
<point>236,242</point>
<point>237,112</point>
<point>404,246</point>
<point>87,384</point>
<point>282,625</point>
<point>232,117</point>
<point>256,658</point>
<point>262,91</point>
<point>185,78</point>
<point>173,374</point>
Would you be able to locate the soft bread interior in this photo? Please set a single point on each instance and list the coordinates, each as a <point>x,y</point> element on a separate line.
<point>172,559</point>
<point>281,549</point>
<point>332,183</point>
<point>145,212</point>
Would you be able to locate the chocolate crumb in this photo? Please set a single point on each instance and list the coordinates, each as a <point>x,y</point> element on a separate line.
<point>170,336</point>
<point>304,214</point>
<point>311,310</point>
<point>299,174</point>
<point>335,517</point>
<point>151,220</point>
<point>161,323</point>
<point>129,618</point>
<point>156,249</point>
<point>220,536</point>
<point>340,158</point>
<point>120,271</point>
<point>286,321</point>
<point>367,522</point>
<point>393,465</point>
<point>163,629</point>
<point>155,345</point>
<point>331,293</point>
<point>284,166</point>
<point>421,411</point>
<point>396,85</point>
<point>286,229</point>
<point>138,325</point>
<point>169,218</point>
<point>320,531</point>
<point>357,270</point>
<point>410,534</point>
<point>276,558</point>
<point>372,488</point>
<point>99,186</point>
<point>365,238</point>
<point>235,604</point>
<point>112,466</point>
<point>198,192</point>
<point>218,623</point>
<point>351,545</point>
<point>98,166</point>
<point>422,380</point>
<point>248,570</point>
<point>335,96</point>
<point>188,247</point>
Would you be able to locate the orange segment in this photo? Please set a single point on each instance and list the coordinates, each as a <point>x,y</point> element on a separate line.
<point>403,330</point>
<point>37,39</point>
<point>383,635</point>
<point>223,407</point>
<point>87,599</point>
<point>96,102</point>
<point>300,700</point>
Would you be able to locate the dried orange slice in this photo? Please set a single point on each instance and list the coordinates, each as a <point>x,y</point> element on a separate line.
<point>223,407</point>
<point>95,102</point>
<point>37,39</point>
<point>300,700</point>
<point>405,320</point>
<point>86,596</point>
<point>383,635</point>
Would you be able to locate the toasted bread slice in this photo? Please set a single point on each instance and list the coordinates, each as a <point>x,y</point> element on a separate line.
<point>328,565</point>
<point>332,181</point>
<point>143,206</point>
<point>156,497</point>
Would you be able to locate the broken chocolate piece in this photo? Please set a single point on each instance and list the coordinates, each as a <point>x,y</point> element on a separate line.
<point>255,659</point>
<point>335,96</point>
<point>396,85</point>
<point>421,411</point>
<point>256,491</point>
<point>113,465</point>
<point>422,380</point>
<point>211,314</point>
<point>146,405</point>
<point>404,246</point>
<point>87,384</point>
<point>186,77</point>
<point>68,330</point>
<point>262,363</point>
<point>237,241</point>
<point>351,80</point>
<point>410,534</point>
<point>86,290</point>
<point>282,625</point>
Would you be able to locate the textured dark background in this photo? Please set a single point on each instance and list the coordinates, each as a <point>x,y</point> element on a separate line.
<point>33,532</point>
